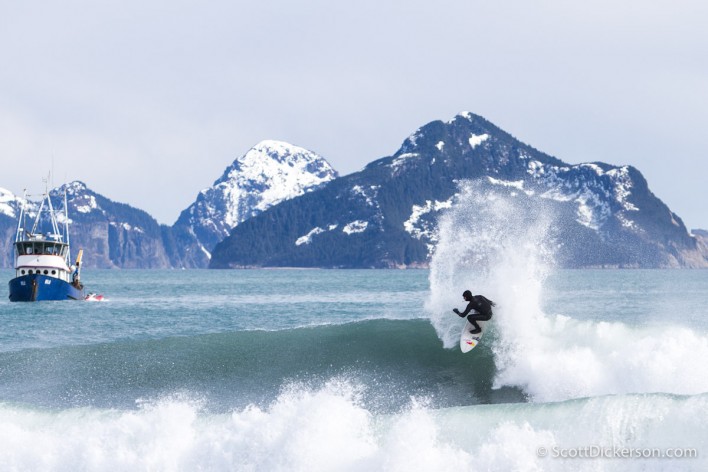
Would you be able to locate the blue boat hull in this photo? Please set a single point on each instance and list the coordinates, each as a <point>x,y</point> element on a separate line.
<point>37,287</point>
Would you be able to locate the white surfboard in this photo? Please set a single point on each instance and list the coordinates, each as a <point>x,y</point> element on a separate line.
<point>468,340</point>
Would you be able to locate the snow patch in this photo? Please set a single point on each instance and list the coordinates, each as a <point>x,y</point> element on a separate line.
<point>518,184</point>
<point>463,114</point>
<point>369,194</point>
<point>88,206</point>
<point>592,212</point>
<point>622,184</point>
<point>594,167</point>
<point>425,229</point>
<point>401,159</point>
<point>307,239</point>
<point>6,200</point>
<point>589,194</point>
<point>476,140</point>
<point>127,227</point>
<point>440,145</point>
<point>357,226</point>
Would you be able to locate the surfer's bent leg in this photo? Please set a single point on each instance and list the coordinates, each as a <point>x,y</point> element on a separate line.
<point>473,318</point>
<point>473,322</point>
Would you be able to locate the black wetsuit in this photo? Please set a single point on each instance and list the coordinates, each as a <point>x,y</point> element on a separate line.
<point>483,308</point>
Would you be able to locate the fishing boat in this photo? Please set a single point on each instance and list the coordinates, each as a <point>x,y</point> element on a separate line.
<point>43,269</point>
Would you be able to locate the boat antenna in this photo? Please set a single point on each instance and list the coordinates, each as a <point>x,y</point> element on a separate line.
<point>66,228</point>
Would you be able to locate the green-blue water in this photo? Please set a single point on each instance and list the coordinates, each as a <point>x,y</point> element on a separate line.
<point>352,370</point>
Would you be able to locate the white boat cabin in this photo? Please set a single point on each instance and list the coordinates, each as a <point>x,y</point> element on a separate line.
<point>42,257</point>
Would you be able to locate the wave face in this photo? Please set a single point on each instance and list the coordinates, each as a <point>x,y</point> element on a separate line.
<point>556,359</point>
<point>396,359</point>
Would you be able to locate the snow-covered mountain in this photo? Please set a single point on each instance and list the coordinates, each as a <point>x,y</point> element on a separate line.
<point>269,173</point>
<point>117,235</point>
<point>387,214</point>
<point>285,206</point>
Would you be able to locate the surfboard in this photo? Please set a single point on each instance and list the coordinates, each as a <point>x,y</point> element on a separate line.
<point>468,341</point>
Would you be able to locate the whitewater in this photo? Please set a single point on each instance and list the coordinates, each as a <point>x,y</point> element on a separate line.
<point>348,370</point>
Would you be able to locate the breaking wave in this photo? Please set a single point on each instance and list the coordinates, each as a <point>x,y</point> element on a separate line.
<point>494,244</point>
<point>328,429</point>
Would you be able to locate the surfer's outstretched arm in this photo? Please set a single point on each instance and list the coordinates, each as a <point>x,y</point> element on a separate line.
<point>465,313</point>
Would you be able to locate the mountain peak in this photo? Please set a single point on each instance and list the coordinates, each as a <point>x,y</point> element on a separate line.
<point>269,173</point>
<point>275,169</point>
<point>464,115</point>
<point>279,149</point>
<point>74,188</point>
<point>464,128</point>
<point>271,158</point>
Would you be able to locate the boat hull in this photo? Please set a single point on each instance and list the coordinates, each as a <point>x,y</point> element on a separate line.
<point>38,287</point>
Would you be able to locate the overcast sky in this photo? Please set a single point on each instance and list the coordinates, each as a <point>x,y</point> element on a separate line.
<point>148,102</point>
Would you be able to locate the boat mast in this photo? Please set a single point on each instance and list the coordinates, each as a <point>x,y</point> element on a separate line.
<point>20,225</point>
<point>37,218</point>
<point>56,235</point>
<point>66,229</point>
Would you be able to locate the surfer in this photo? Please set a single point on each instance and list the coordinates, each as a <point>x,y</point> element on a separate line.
<point>479,303</point>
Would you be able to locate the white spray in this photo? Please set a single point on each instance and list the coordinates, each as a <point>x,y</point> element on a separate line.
<point>492,243</point>
<point>499,243</point>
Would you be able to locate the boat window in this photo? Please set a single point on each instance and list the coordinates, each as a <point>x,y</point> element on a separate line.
<point>53,249</point>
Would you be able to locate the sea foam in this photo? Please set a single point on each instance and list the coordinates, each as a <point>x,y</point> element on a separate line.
<point>328,429</point>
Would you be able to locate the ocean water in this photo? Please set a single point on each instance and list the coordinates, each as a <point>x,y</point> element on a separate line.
<point>359,370</point>
<point>344,370</point>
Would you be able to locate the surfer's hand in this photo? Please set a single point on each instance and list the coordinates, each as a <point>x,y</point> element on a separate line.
<point>457,312</point>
